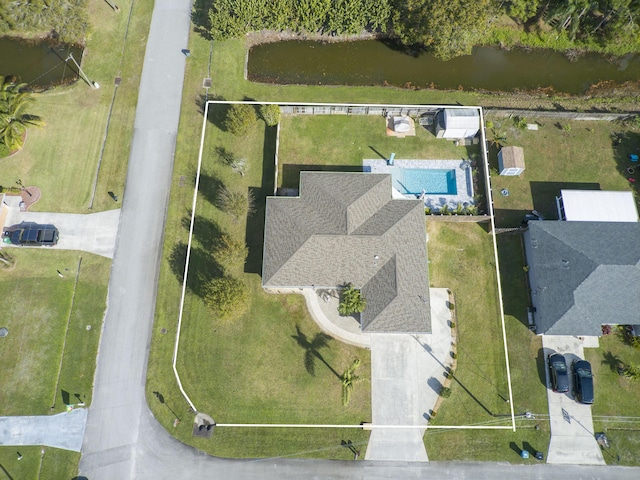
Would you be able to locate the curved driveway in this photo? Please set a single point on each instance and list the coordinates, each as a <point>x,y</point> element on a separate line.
<point>122,439</point>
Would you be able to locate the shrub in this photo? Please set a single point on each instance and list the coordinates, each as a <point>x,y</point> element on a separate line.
<point>235,202</point>
<point>488,124</point>
<point>227,297</point>
<point>520,122</point>
<point>240,118</point>
<point>445,392</point>
<point>351,301</point>
<point>230,251</point>
<point>270,114</point>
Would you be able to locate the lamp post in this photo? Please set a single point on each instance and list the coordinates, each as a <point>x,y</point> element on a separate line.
<point>82,74</point>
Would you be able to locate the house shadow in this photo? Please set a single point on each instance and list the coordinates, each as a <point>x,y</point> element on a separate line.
<point>625,144</point>
<point>254,233</point>
<point>541,364</point>
<point>291,172</point>
<point>515,287</point>
<point>509,218</point>
<point>544,195</point>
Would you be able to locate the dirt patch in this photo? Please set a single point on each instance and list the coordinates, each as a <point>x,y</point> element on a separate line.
<point>271,36</point>
<point>30,195</point>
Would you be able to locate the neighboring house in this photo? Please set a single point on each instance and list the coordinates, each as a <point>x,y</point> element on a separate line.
<point>458,123</point>
<point>583,275</point>
<point>346,228</point>
<point>596,206</point>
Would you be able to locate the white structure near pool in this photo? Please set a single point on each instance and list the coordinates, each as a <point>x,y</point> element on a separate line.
<point>438,182</point>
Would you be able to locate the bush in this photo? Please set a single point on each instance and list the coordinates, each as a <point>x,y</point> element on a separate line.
<point>445,392</point>
<point>270,114</point>
<point>240,118</point>
<point>4,150</point>
<point>227,297</point>
<point>351,301</point>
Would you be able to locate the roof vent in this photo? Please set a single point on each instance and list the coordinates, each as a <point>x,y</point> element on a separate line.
<point>565,263</point>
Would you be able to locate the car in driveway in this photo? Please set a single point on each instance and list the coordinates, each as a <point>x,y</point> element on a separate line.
<point>32,234</point>
<point>558,372</point>
<point>583,381</point>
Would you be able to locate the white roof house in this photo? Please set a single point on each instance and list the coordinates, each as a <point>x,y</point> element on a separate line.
<point>458,123</point>
<point>596,206</point>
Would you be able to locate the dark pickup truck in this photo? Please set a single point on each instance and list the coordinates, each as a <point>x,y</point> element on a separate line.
<point>31,234</point>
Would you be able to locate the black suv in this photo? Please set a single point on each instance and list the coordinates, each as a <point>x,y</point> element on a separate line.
<point>584,381</point>
<point>558,372</point>
<point>31,234</point>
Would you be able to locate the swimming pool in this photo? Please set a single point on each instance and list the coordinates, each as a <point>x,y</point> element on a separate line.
<point>415,181</point>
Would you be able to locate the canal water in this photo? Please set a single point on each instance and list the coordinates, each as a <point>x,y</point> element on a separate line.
<point>38,63</point>
<point>370,62</point>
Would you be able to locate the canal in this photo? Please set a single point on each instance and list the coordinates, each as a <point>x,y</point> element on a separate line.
<point>371,62</point>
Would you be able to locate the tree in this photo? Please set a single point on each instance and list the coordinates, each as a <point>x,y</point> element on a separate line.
<point>240,118</point>
<point>235,203</point>
<point>270,114</point>
<point>230,251</point>
<point>352,301</point>
<point>227,297</point>
<point>348,378</point>
<point>14,120</point>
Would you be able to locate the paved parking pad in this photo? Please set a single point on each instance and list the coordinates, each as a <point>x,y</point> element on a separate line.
<point>572,434</point>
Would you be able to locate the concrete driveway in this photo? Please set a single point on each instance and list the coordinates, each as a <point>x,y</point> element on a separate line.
<point>93,232</point>
<point>572,434</point>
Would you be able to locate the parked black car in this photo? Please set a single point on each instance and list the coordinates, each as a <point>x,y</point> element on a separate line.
<point>559,373</point>
<point>32,234</point>
<point>584,381</point>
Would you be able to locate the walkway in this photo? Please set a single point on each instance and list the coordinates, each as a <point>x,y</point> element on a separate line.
<point>572,434</point>
<point>64,430</point>
<point>93,233</point>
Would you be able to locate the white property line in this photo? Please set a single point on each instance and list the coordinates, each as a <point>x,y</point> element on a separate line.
<point>495,250</point>
<point>483,143</point>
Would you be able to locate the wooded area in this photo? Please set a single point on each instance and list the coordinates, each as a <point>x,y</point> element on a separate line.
<point>447,28</point>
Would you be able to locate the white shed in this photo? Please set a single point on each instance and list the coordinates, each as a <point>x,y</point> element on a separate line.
<point>457,123</point>
<point>596,206</point>
<point>511,161</point>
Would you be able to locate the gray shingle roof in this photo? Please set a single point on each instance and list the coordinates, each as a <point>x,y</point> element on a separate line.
<point>583,275</point>
<point>346,228</point>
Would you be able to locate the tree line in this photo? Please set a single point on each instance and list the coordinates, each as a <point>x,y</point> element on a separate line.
<point>446,27</point>
<point>64,20</point>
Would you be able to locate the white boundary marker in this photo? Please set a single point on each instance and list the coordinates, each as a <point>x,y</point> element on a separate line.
<point>495,252</point>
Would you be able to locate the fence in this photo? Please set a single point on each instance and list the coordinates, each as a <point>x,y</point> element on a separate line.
<point>499,112</point>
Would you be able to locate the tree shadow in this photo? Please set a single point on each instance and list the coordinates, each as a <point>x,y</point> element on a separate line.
<point>209,188</point>
<point>218,113</point>
<point>200,18</point>
<point>613,361</point>
<point>202,267</point>
<point>544,195</point>
<point>312,348</point>
<point>625,144</point>
<point>254,233</point>
<point>206,232</point>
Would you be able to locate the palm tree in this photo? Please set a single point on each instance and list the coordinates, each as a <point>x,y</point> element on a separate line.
<point>352,301</point>
<point>348,378</point>
<point>14,101</point>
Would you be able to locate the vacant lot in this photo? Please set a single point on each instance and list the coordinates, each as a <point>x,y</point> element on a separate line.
<point>566,154</point>
<point>271,365</point>
<point>339,142</point>
<point>49,354</point>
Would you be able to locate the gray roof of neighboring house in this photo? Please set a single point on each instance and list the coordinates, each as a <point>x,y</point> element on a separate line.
<point>346,228</point>
<point>585,274</point>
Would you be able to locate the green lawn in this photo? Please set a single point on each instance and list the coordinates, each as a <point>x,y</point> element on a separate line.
<point>255,365</point>
<point>584,157</point>
<point>62,157</point>
<point>615,408</point>
<point>38,312</point>
<point>304,144</point>
<point>461,258</point>
<point>38,462</point>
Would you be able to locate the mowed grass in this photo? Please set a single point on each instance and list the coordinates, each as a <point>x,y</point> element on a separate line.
<point>251,370</point>
<point>461,259</point>
<point>38,462</point>
<point>340,142</point>
<point>560,155</point>
<point>615,408</point>
<point>38,306</point>
<point>62,157</point>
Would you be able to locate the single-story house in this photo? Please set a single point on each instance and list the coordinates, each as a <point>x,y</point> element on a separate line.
<point>596,206</point>
<point>583,275</point>
<point>458,123</point>
<point>511,161</point>
<point>346,228</point>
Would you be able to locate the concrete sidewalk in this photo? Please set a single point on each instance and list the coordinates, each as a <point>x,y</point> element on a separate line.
<point>64,430</point>
<point>572,435</point>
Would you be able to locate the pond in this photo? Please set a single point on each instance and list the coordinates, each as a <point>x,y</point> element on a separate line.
<point>38,63</point>
<point>371,62</point>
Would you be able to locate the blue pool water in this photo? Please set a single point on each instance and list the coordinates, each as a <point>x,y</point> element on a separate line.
<point>414,181</point>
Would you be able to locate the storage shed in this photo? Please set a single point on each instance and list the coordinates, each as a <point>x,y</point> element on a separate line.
<point>458,123</point>
<point>511,161</point>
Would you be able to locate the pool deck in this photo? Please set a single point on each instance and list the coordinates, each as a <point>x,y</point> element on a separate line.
<point>464,182</point>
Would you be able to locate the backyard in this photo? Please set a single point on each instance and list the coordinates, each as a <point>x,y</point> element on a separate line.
<point>271,364</point>
<point>567,154</point>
